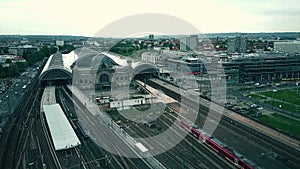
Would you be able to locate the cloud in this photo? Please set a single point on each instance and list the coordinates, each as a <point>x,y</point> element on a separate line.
<point>87,17</point>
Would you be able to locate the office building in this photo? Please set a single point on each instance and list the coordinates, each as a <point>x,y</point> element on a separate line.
<point>189,43</point>
<point>290,47</point>
<point>237,44</point>
<point>262,68</point>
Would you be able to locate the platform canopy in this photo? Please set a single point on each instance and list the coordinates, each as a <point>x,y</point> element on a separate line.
<point>62,133</point>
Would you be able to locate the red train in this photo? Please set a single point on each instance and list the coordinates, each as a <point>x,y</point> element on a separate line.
<point>218,147</point>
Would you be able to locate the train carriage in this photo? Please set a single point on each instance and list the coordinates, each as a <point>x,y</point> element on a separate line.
<point>217,146</point>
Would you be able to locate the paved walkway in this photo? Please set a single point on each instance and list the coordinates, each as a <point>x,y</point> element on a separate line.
<point>160,97</point>
<point>49,96</point>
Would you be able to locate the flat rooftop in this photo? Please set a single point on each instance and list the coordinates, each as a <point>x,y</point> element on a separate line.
<point>62,133</point>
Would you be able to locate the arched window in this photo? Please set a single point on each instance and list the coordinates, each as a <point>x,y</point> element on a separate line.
<point>104,78</point>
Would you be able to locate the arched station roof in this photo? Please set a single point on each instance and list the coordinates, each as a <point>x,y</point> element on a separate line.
<point>55,69</point>
<point>92,59</point>
<point>59,65</point>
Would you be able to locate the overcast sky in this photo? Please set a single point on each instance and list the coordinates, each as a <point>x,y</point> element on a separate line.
<point>69,17</point>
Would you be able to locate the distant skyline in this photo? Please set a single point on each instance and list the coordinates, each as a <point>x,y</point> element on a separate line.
<point>85,18</point>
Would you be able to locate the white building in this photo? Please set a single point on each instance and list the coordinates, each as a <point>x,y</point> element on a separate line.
<point>150,57</point>
<point>20,50</point>
<point>287,47</point>
<point>59,43</point>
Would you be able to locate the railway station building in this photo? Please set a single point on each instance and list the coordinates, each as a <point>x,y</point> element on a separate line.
<point>104,71</point>
<point>88,69</point>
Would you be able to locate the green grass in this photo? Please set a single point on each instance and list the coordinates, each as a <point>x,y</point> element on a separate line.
<point>285,106</point>
<point>282,123</point>
<point>284,95</point>
<point>112,112</point>
<point>256,97</point>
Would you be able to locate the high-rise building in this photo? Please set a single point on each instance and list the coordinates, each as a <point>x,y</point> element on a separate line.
<point>231,45</point>
<point>193,42</point>
<point>189,43</point>
<point>151,37</point>
<point>237,44</point>
<point>183,43</point>
<point>242,44</point>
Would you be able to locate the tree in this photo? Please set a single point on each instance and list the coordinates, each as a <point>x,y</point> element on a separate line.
<point>8,61</point>
<point>3,72</point>
<point>66,48</point>
<point>22,66</point>
<point>32,58</point>
<point>52,50</point>
<point>13,70</point>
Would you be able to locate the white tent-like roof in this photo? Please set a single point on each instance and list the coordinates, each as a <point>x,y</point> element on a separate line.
<point>62,133</point>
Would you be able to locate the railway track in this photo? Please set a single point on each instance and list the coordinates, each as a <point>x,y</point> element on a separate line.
<point>262,141</point>
<point>99,156</point>
<point>93,155</point>
<point>14,142</point>
<point>198,148</point>
<point>188,153</point>
<point>286,154</point>
<point>48,159</point>
<point>27,127</point>
<point>89,155</point>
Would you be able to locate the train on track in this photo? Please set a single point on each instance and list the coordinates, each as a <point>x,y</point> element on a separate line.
<point>83,131</point>
<point>233,157</point>
<point>216,145</point>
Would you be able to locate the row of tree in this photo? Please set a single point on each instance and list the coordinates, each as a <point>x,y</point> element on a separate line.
<point>127,48</point>
<point>34,57</point>
<point>66,48</point>
<point>15,69</point>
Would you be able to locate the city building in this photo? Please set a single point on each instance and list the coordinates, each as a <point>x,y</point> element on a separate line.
<point>290,47</point>
<point>107,71</point>
<point>189,43</point>
<point>150,57</point>
<point>13,58</point>
<point>185,66</point>
<point>183,43</point>
<point>151,37</point>
<point>21,50</point>
<point>262,68</point>
<point>231,45</point>
<point>237,44</point>
<point>59,43</point>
